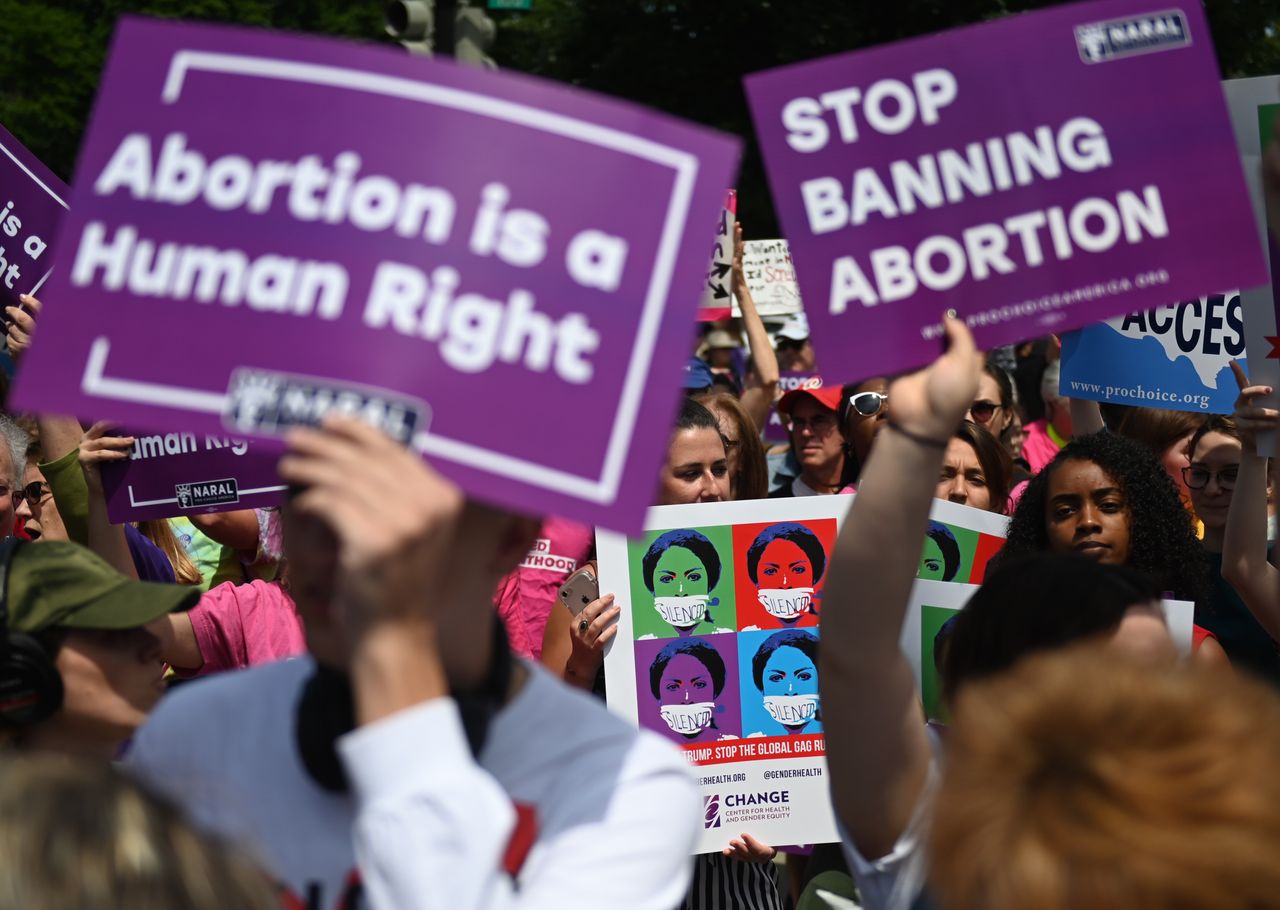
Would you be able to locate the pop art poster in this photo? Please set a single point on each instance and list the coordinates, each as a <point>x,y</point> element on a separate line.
<point>933,606</point>
<point>717,651</point>
<point>959,543</point>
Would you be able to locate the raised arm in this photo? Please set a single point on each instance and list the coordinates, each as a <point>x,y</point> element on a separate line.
<point>1244,547</point>
<point>879,752</point>
<point>760,391</point>
<point>1086,417</point>
<point>104,538</point>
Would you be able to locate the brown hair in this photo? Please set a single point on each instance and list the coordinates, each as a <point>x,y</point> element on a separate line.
<point>1138,787</point>
<point>1214,423</point>
<point>160,534</point>
<point>80,834</point>
<point>752,479</point>
<point>1155,428</point>
<point>997,466</point>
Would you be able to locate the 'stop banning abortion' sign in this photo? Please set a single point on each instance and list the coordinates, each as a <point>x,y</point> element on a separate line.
<point>499,271</point>
<point>1037,173</point>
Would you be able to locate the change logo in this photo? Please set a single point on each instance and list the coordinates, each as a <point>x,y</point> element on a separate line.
<point>711,811</point>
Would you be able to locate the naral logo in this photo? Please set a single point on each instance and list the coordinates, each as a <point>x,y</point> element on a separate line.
<point>711,811</point>
<point>1111,40</point>
<point>207,493</point>
<point>265,402</point>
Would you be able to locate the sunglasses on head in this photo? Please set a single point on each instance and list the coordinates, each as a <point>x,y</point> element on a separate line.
<point>868,404</point>
<point>982,411</point>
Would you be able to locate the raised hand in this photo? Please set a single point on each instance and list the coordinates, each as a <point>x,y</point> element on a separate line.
<point>96,446</point>
<point>392,515</point>
<point>22,325</point>
<point>932,402</point>
<point>1250,417</point>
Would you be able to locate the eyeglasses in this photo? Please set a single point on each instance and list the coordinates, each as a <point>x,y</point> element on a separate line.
<point>823,423</point>
<point>791,344</point>
<point>1197,477</point>
<point>34,492</point>
<point>983,411</point>
<point>868,404</point>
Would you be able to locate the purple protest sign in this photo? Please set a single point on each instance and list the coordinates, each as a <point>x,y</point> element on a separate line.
<point>32,200</point>
<point>774,429</point>
<point>499,271</point>
<point>188,473</point>
<point>1037,173</point>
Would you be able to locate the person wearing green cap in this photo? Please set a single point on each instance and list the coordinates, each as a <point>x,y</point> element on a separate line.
<point>79,670</point>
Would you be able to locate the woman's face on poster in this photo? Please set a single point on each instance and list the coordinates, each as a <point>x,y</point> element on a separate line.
<point>686,695</point>
<point>790,687</point>
<point>784,565</point>
<point>789,671</point>
<point>680,588</point>
<point>785,580</point>
<point>932,565</point>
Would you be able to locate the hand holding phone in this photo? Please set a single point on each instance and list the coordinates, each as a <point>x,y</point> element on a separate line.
<point>579,589</point>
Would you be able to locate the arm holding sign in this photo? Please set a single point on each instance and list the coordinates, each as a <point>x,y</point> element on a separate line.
<point>570,650</point>
<point>104,538</point>
<point>879,750</point>
<point>762,382</point>
<point>1244,549</point>
<point>21,325</point>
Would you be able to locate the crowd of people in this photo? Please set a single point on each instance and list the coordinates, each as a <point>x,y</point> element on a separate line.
<point>385,694</point>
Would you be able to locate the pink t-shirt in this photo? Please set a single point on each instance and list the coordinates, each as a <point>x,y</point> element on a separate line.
<point>1039,447</point>
<point>524,597</point>
<point>245,625</point>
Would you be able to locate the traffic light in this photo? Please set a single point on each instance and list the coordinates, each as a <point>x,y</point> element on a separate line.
<point>412,23</point>
<point>473,34</point>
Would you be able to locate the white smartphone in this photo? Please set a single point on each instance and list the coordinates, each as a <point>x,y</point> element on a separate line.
<point>580,589</point>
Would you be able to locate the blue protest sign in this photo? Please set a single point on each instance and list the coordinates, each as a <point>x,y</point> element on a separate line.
<point>1176,357</point>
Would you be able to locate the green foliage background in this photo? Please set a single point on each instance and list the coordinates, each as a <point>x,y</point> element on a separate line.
<point>686,57</point>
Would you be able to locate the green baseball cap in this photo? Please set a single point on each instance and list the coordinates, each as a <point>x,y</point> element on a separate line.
<point>63,585</point>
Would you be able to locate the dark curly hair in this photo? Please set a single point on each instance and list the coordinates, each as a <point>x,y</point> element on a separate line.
<point>1162,538</point>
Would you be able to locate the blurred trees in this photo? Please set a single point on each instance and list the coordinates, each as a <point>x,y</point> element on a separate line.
<point>686,57</point>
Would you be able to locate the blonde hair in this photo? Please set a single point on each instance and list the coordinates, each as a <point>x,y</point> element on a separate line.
<point>752,478</point>
<point>77,834</point>
<point>161,534</point>
<point>1147,788</point>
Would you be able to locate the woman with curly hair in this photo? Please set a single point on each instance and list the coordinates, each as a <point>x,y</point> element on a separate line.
<point>1107,498</point>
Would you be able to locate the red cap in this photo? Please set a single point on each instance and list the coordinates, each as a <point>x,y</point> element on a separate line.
<point>828,396</point>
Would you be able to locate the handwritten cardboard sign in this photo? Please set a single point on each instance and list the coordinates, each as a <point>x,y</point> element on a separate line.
<point>32,200</point>
<point>266,228</point>
<point>1034,173</point>
<point>771,276</point>
<point>717,291</point>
